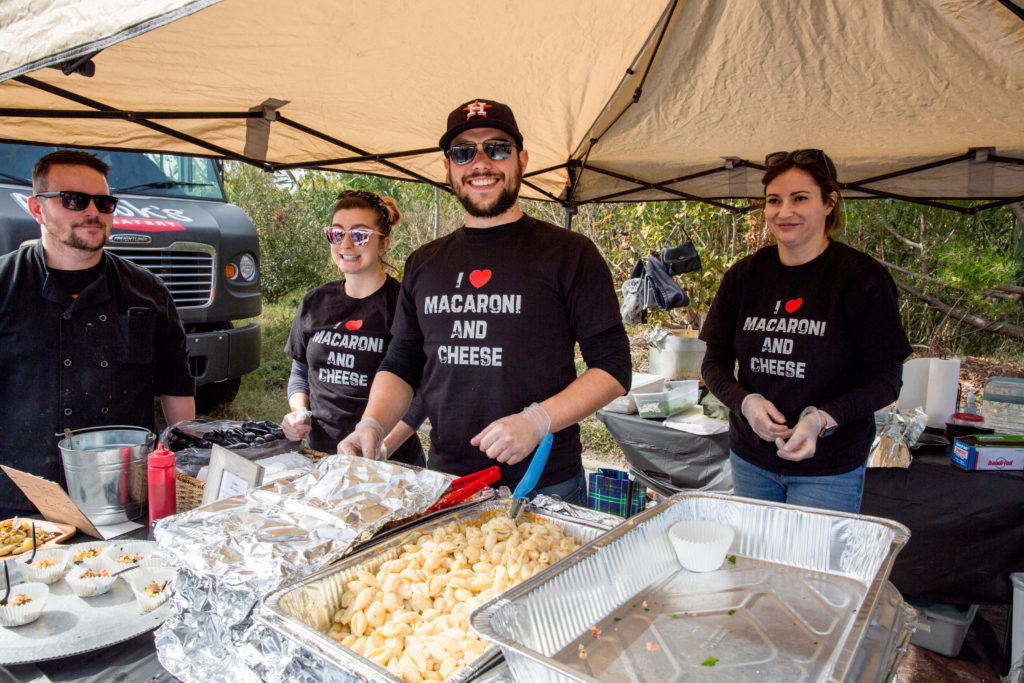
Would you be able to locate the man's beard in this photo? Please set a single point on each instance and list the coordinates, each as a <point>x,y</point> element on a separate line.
<point>505,201</point>
<point>75,242</point>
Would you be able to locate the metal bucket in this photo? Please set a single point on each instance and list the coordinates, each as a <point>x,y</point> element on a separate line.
<point>105,468</point>
<point>677,357</point>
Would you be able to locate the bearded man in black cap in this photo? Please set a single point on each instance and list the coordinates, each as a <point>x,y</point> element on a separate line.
<point>487,323</point>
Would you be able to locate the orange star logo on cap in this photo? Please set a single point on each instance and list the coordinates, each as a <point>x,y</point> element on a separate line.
<point>478,108</point>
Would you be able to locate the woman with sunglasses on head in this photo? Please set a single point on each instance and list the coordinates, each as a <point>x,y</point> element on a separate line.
<point>816,329</point>
<point>342,330</point>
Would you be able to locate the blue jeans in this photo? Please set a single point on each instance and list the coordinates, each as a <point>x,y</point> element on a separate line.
<point>840,492</point>
<point>573,490</point>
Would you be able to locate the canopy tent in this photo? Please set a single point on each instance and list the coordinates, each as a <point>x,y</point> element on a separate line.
<point>618,101</point>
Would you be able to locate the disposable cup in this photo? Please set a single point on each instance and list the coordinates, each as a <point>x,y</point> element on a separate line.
<point>18,615</point>
<point>701,545</point>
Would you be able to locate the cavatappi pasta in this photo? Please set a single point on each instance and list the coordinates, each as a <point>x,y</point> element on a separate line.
<point>412,616</point>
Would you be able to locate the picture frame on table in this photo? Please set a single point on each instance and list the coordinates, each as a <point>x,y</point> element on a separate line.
<point>230,475</point>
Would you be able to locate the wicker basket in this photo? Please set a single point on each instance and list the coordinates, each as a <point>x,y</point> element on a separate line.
<point>189,490</point>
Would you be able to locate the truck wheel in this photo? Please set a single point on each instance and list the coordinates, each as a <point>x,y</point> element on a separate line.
<point>211,396</point>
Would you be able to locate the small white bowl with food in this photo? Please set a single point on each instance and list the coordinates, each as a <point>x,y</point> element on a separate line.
<point>47,566</point>
<point>119,556</point>
<point>24,604</point>
<point>87,555</point>
<point>88,583</point>
<point>151,585</point>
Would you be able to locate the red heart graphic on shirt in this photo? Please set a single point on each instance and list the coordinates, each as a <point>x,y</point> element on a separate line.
<point>353,325</point>
<point>793,304</point>
<point>479,278</point>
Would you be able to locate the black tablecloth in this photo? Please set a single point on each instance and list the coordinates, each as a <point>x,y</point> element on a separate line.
<point>967,528</point>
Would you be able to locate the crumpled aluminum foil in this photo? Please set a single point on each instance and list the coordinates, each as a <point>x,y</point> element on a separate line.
<point>232,552</point>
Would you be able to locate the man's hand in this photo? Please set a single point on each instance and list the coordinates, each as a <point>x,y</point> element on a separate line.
<point>365,441</point>
<point>764,418</point>
<point>508,439</point>
<point>297,424</point>
<point>804,439</point>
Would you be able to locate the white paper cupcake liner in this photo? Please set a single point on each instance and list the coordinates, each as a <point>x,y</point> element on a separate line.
<point>118,555</point>
<point>141,578</point>
<point>701,545</point>
<point>78,560</point>
<point>11,616</point>
<point>88,587</point>
<point>49,574</point>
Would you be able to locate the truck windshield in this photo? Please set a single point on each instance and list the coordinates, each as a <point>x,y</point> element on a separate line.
<point>166,175</point>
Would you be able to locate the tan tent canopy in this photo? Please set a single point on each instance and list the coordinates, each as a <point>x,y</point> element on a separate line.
<point>618,101</point>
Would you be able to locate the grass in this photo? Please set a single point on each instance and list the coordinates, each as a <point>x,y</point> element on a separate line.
<point>262,394</point>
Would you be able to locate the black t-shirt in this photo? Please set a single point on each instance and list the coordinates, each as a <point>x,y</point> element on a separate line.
<point>90,361</point>
<point>343,341</point>
<point>497,312</point>
<point>826,333</point>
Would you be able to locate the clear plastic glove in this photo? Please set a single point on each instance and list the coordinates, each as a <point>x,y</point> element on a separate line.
<point>764,418</point>
<point>366,440</point>
<point>802,443</point>
<point>297,424</point>
<point>508,439</point>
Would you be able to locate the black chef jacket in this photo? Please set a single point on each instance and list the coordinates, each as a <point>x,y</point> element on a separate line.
<point>90,361</point>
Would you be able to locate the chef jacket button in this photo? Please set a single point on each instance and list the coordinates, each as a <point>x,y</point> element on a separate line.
<point>103,363</point>
<point>103,318</point>
<point>104,410</point>
<point>67,411</point>
<point>67,316</point>
<point>67,362</point>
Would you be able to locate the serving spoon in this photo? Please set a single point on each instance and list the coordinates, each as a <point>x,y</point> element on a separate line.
<point>33,555</point>
<point>7,576</point>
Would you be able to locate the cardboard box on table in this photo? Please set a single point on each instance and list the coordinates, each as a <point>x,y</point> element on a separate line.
<point>989,452</point>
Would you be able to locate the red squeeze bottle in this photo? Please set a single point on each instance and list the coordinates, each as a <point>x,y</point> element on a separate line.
<point>160,472</point>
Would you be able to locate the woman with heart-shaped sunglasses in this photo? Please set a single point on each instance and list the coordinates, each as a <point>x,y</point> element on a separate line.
<point>814,325</point>
<point>342,330</point>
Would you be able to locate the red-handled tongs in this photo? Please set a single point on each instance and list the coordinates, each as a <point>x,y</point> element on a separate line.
<point>464,487</point>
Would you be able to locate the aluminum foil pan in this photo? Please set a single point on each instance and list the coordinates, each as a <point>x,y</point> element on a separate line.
<point>303,610</point>
<point>877,660</point>
<point>232,552</point>
<point>794,605</point>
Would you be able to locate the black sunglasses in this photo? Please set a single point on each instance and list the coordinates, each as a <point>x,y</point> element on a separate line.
<point>79,201</point>
<point>461,153</point>
<point>800,157</point>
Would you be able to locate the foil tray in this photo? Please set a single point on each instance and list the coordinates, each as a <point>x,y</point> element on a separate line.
<point>877,660</point>
<point>794,604</point>
<point>302,611</point>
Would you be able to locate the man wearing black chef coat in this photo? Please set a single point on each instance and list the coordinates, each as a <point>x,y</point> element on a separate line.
<point>488,319</point>
<point>86,338</point>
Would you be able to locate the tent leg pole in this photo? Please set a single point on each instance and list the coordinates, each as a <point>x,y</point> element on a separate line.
<point>437,211</point>
<point>570,211</point>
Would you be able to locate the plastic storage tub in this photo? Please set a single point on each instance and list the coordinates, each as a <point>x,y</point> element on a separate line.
<point>1003,405</point>
<point>941,628</point>
<point>641,383</point>
<point>677,397</point>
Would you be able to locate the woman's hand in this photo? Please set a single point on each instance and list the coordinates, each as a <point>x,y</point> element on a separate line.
<point>366,440</point>
<point>764,418</point>
<point>508,439</point>
<point>804,440</point>
<point>297,424</point>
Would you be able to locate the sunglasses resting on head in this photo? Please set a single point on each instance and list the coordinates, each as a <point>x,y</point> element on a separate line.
<point>359,236</point>
<point>461,153</point>
<point>800,157</point>
<point>79,201</point>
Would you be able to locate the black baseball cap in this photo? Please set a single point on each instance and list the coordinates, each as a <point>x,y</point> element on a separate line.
<point>479,113</point>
